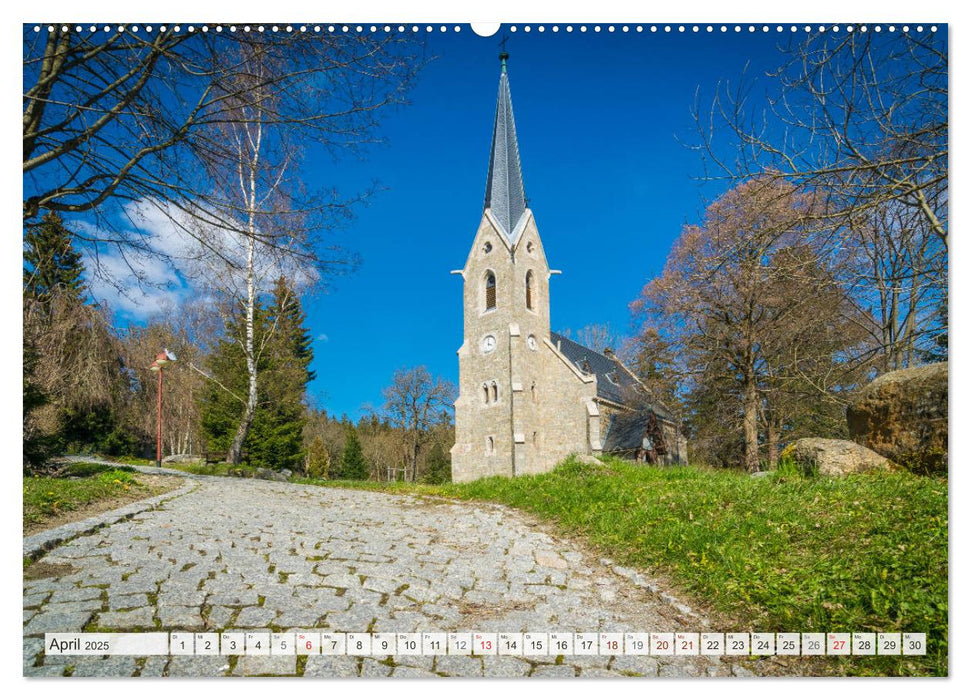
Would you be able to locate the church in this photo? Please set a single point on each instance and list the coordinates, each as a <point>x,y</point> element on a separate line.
<point>529,397</point>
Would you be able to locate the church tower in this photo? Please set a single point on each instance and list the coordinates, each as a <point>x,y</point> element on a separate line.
<point>507,322</point>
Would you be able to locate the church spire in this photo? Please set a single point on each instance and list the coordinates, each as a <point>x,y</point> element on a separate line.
<point>505,194</point>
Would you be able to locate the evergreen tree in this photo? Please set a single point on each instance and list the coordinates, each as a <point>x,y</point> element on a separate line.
<point>51,264</point>
<point>73,379</point>
<point>438,466</point>
<point>280,416</point>
<point>292,336</point>
<point>353,464</point>
<point>224,399</point>
<point>275,438</point>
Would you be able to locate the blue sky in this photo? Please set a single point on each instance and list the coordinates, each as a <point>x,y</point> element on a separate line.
<point>598,117</point>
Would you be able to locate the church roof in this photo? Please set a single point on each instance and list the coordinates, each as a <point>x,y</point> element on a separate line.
<point>625,431</point>
<point>614,383</point>
<point>505,194</point>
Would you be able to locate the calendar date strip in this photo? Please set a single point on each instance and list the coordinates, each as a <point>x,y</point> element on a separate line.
<point>527,644</point>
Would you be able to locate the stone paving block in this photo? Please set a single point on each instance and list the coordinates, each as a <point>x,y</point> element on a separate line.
<point>180,617</point>
<point>219,617</point>
<point>32,600</point>
<point>125,602</point>
<point>46,671</point>
<point>641,665</point>
<point>128,619</point>
<point>298,618</point>
<point>600,673</point>
<point>77,606</point>
<point>57,622</point>
<point>154,666</point>
<point>373,668</point>
<point>543,671</point>
<point>255,617</point>
<point>198,666</point>
<point>464,666</point>
<point>266,666</point>
<point>237,599</point>
<point>32,647</point>
<point>411,672</point>
<point>505,667</point>
<point>75,594</point>
<point>108,667</point>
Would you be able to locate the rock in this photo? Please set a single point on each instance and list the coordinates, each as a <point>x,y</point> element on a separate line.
<point>181,459</point>
<point>272,475</point>
<point>588,459</point>
<point>902,415</point>
<point>833,457</point>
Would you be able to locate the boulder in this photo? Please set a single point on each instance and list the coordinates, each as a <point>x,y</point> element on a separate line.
<point>272,475</point>
<point>902,415</point>
<point>833,457</point>
<point>181,459</point>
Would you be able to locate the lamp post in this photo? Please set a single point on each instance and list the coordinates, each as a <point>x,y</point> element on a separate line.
<point>162,359</point>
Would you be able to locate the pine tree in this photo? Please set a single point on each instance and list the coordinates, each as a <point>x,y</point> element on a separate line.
<point>275,437</point>
<point>51,263</point>
<point>281,417</point>
<point>438,466</point>
<point>353,464</point>
<point>224,399</point>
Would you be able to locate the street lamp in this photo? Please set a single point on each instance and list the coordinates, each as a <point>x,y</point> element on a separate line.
<point>162,359</point>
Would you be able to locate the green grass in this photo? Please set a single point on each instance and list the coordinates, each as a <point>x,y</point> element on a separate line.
<point>81,469</point>
<point>46,497</point>
<point>780,553</point>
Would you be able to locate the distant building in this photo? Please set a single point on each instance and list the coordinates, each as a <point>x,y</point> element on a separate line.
<point>529,397</point>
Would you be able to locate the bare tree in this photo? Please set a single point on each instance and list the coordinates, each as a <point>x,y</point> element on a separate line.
<point>738,300</point>
<point>861,119</point>
<point>134,116</point>
<point>596,336</point>
<point>413,402</point>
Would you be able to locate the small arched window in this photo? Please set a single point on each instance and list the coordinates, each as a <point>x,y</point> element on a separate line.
<point>490,445</point>
<point>532,390</point>
<point>529,290</point>
<point>495,392</point>
<point>490,290</point>
<point>535,439</point>
<point>485,393</point>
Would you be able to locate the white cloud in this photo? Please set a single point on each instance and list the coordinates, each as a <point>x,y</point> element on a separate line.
<point>176,257</point>
<point>322,337</point>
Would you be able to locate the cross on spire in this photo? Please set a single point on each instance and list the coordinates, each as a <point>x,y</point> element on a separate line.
<point>503,54</point>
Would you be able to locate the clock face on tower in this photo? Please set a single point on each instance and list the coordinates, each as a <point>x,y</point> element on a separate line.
<point>488,343</point>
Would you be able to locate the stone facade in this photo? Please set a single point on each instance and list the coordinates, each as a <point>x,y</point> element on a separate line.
<point>522,406</point>
<point>523,403</point>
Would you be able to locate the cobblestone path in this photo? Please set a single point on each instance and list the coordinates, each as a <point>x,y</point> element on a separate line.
<point>245,555</point>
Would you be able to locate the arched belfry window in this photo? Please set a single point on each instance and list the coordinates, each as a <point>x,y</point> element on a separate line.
<point>490,290</point>
<point>485,393</point>
<point>495,392</point>
<point>529,290</point>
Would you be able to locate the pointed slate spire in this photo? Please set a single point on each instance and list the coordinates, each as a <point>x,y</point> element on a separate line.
<point>505,194</point>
